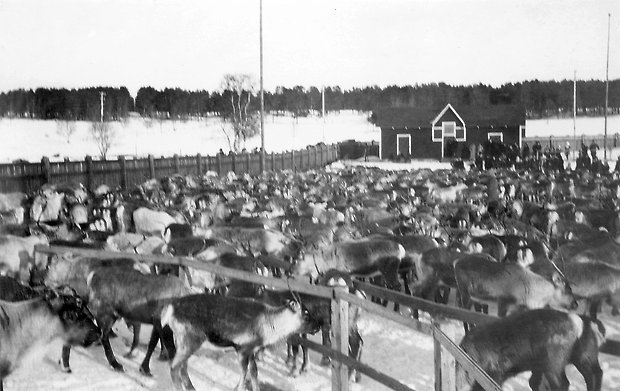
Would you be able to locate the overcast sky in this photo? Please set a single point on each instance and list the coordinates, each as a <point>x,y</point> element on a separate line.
<point>192,43</point>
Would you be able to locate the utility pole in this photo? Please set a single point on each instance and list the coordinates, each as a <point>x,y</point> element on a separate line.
<point>574,112</point>
<point>323,110</point>
<point>262,96</point>
<point>606,88</point>
<point>102,98</point>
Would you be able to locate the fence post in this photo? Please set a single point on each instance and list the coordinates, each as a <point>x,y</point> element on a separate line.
<point>293,164</point>
<point>46,169</point>
<point>89,172</point>
<point>247,163</point>
<point>273,161</point>
<point>283,160</point>
<point>233,161</point>
<point>177,165</point>
<point>445,363</point>
<point>219,164</point>
<point>122,163</point>
<point>340,342</point>
<point>151,166</point>
<point>199,164</point>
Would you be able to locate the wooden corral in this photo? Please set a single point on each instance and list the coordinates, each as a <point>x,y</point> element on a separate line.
<point>123,172</point>
<point>447,352</point>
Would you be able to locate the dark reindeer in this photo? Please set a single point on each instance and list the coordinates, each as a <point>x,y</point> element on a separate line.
<point>543,341</point>
<point>245,324</point>
<point>126,293</point>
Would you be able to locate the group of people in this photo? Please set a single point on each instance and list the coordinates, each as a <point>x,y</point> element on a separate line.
<point>495,153</point>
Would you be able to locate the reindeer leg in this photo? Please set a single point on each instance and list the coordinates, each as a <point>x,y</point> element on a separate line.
<point>355,351</point>
<point>187,343</point>
<point>304,355</point>
<point>293,349</point>
<point>244,361</point>
<point>64,359</point>
<point>325,360</point>
<point>155,337</point>
<point>253,369</point>
<point>135,340</point>
<point>105,323</point>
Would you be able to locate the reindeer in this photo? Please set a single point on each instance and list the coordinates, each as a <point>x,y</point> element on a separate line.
<point>244,324</point>
<point>480,279</point>
<point>116,292</point>
<point>364,258</point>
<point>29,323</point>
<point>543,341</point>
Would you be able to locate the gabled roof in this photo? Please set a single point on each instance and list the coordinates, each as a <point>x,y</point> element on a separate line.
<point>414,117</point>
<point>445,109</point>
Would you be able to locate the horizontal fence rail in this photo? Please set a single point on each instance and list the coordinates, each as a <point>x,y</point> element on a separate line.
<point>124,172</point>
<point>340,299</point>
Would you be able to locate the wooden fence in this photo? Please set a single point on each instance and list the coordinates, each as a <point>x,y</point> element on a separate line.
<point>447,354</point>
<point>123,172</point>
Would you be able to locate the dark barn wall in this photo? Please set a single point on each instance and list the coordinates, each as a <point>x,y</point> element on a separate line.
<point>423,147</point>
<point>481,135</point>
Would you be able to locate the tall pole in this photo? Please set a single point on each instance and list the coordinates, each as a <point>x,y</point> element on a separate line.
<point>606,87</point>
<point>101,96</point>
<point>262,96</point>
<point>574,112</point>
<point>323,110</point>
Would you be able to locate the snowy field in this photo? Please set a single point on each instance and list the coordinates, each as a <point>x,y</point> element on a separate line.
<point>32,139</point>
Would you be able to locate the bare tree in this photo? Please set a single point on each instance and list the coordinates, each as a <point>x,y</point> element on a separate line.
<point>104,136</point>
<point>241,123</point>
<point>65,128</point>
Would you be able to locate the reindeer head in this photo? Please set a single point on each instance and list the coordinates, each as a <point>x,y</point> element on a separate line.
<point>77,320</point>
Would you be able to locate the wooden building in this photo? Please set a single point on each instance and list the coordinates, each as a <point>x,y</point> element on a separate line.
<point>448,132</point>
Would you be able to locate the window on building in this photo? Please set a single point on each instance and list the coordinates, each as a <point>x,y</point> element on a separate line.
<point>449,129</point>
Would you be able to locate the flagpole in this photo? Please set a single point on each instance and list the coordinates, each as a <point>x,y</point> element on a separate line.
<point>575,112</point>
<point>262,96</point>
<point>606,87</point>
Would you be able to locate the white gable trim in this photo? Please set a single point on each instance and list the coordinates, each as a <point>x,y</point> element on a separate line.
<point>445,109</point>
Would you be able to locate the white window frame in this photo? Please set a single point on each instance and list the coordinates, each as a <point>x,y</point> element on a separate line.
<point>444,133</point>
<point>521,132</point>
<point>495,134</point>
<point>398,137</point>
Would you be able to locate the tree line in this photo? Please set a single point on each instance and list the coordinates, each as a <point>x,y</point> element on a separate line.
<point>81,104</point>
<point>539,98</point>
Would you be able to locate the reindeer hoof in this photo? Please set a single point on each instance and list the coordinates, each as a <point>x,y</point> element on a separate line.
<point>293,372</point>
<point>325,361</point>
<point>357,378</point>
<point>146,372</point>
<point>66,369</point>
<point>129,354</point>
<point>118,367</point>
<point>163,356</point>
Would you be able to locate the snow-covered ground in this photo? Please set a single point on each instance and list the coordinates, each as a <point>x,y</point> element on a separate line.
<point>32,139</point>
<point>388,347</point>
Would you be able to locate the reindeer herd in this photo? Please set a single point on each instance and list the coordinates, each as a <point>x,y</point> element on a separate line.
<point>531,244</point>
